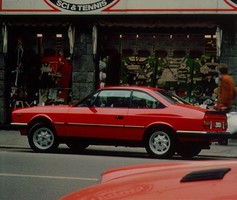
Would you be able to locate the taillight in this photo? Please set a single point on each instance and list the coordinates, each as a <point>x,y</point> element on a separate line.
<point>225,124</point>
<point>207,124</point>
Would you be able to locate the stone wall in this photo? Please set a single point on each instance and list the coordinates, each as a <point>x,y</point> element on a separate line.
<point>83,76</point>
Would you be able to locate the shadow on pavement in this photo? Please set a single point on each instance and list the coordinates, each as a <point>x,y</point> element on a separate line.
<point>114,152</point>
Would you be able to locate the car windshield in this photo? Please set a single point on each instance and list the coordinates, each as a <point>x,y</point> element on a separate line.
<point>171,97</point>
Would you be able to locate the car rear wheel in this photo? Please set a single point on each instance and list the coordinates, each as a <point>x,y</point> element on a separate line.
<point>42,138</point>
<point>160,144</point>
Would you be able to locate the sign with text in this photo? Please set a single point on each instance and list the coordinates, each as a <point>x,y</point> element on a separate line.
<point>116,7</point>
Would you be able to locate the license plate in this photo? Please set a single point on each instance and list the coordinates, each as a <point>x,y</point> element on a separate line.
<point>218,125</point>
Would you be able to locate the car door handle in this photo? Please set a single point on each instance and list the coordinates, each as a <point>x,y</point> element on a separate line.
<point>119,117</point>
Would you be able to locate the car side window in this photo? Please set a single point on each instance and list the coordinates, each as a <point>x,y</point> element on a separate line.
<point>113,99</point>
<point>144,100</point>
<point>90,99</point>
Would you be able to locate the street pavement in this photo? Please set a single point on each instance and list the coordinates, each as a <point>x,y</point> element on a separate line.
<point>13,139</point>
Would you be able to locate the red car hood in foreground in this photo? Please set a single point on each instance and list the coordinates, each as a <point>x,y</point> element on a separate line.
<point>208,180</point>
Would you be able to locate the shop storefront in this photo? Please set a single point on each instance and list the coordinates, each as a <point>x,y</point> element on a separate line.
<point>181,58</point>
<point>56,52</point>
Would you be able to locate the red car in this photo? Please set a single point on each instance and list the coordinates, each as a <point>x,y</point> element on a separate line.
<point>180,180</point>
<point>129,116</point>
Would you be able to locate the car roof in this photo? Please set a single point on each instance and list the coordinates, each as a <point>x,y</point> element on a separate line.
<point>144,88</point>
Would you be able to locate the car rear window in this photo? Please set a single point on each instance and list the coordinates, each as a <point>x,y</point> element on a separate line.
<point>143,100</point>
<point>171,97</point>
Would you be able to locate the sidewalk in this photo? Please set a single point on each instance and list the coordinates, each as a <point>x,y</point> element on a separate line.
<point>229,150</point>
<point>12,138</point>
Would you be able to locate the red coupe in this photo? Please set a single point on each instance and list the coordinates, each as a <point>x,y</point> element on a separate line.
<point>152,118</point>
<point>180,180</point>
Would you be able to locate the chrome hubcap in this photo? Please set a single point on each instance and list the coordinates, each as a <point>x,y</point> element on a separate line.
<point>159,142</point>
<point>43,138</point>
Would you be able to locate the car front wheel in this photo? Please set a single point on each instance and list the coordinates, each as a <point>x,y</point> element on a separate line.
<point>42,138</point>
<point>160,144</point>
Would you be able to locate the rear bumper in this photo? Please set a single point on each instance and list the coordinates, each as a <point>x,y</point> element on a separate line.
<point>204,135</point>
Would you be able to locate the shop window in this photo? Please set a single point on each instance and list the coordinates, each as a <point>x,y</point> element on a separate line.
<point>174,61</point>
<point>210,43</point>
<point>127,52</point>
<point>40,44</point>
<point>143,53</point>
<point>59,44</point>
<point>161,54</point>
<point>50,44</point>
<point>179,53</point>
<point>41,62</point>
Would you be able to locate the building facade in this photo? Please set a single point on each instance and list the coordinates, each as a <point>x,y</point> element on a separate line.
<point>58,51</point>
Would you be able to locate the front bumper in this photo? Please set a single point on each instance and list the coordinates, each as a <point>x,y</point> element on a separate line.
<point>19,125</point>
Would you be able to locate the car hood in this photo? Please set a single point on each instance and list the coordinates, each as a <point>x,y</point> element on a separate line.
<point>41,108</point>
<point>163,181</point>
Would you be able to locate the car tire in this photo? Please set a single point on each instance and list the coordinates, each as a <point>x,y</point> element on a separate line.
<point>188,151</point>
<point>160,144</point>
<point>42,138</point>
<point>76,146</point>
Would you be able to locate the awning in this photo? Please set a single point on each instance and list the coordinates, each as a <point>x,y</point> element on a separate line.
<point>157,23</point>
<point>38,24</point>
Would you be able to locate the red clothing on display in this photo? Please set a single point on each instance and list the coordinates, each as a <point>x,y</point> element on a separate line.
<point>62,69</point>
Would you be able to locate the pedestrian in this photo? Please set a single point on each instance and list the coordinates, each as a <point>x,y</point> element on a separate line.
<point>227,91</point>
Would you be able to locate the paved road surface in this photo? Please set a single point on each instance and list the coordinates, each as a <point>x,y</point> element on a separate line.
<point>11,139</point>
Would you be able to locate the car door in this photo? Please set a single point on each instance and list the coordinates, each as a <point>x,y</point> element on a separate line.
<point>144,110</point>
<point>103,118</point>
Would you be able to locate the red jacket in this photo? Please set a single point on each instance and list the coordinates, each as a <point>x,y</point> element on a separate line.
<point>227,92</point>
